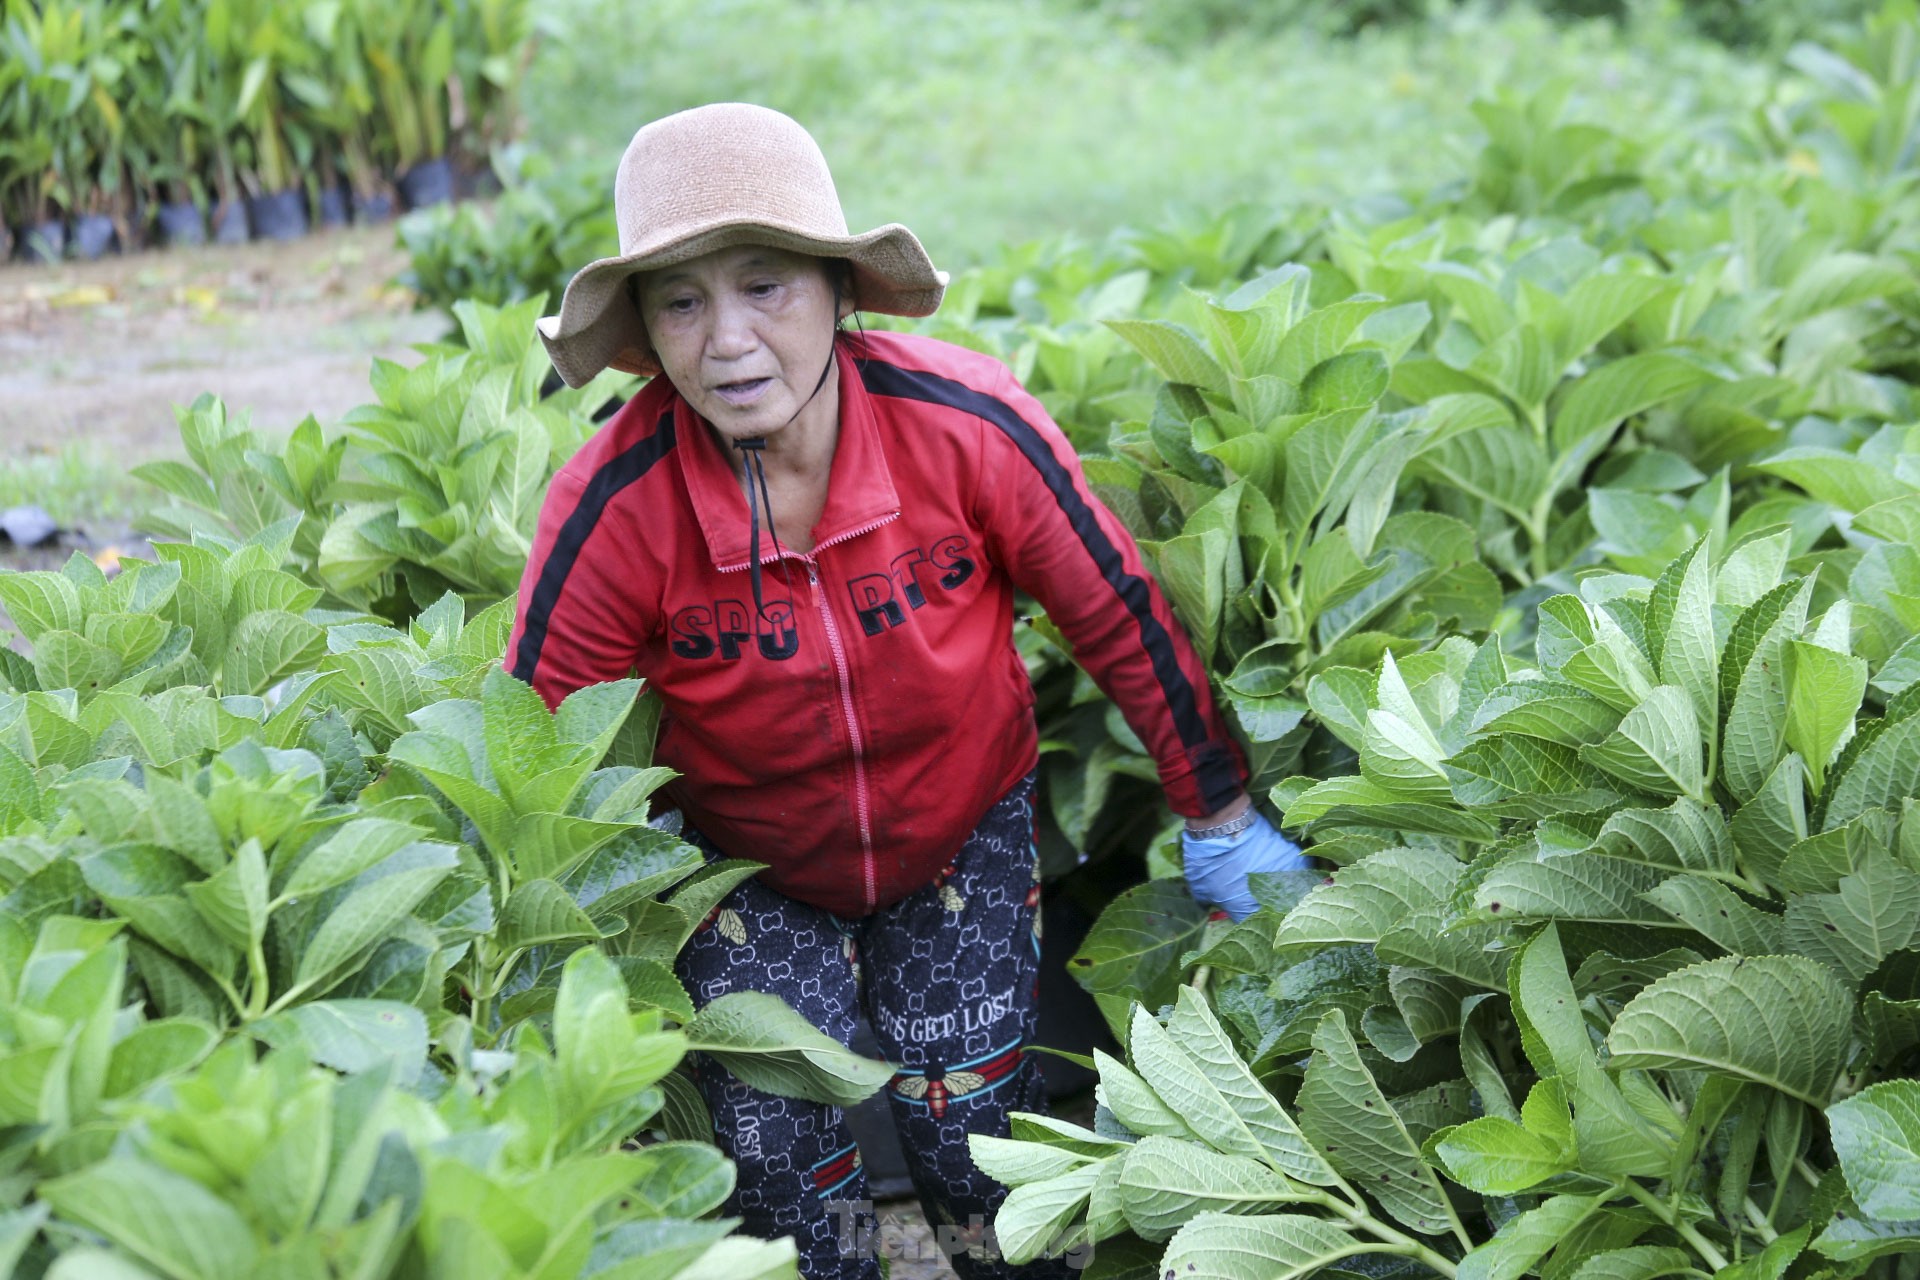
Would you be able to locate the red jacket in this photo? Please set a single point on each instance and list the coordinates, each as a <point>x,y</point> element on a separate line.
<point>853,739</point>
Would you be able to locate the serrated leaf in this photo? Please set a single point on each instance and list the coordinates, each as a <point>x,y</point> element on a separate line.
<point>1611,1136</point>
<point>1684,836</point>
<point>760,1039</point>
<point>1719,914</point>
<point>1218,1246</point>
<point>1495,1156</point>
<point>1524,1240</point>
<point>540,912</point>
<point>1344,1112</point>
<point>163,1218</point>
<point>1782,1021</point>
<point>1590,886</point>
<point>1876,1134</point>
<point>1370,897</point>
<point>1824,689</point>
<point>1657,747</point>
<point>1199,1033</point>
<point>1164,1182</point>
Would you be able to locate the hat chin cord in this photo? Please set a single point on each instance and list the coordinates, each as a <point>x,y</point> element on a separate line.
<point>754,449</point>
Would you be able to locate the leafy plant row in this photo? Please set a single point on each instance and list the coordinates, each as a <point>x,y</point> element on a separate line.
<point>325,950</point>
<point>120,111</point>
<point>1561,548</point>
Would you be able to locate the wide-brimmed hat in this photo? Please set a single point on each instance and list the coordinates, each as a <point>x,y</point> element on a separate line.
<point>712,178</point>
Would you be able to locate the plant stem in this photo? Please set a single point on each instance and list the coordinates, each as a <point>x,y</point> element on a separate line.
<point>1360,1216</point>
<point>1760,1222</point>
<point>256,979</point>
<point>1199,979</point>
<point>1701,1245</point>
<point>1805,1170</point>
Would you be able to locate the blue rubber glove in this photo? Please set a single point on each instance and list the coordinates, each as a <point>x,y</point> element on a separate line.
<point>1217,869</point>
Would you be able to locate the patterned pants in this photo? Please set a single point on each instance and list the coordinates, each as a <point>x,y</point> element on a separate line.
<point>948,978</point>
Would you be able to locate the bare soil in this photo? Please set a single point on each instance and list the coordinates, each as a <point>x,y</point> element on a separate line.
<point>99,351</point>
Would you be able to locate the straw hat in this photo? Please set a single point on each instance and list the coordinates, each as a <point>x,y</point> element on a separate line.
<point>711,178</point>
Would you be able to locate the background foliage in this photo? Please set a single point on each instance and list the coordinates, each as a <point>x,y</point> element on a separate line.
<point>1531,457</point>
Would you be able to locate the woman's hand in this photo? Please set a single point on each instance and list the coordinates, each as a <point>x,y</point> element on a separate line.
<point>1217,868</point>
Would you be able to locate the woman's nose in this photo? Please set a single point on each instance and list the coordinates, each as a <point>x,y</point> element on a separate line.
<point>732,335</point>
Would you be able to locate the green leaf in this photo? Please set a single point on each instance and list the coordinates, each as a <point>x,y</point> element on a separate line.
<point>234,901</point>
<point>64,660</point>
<point>1611,1136</point>
<point>1132,1102</point>
<point>1345,1113</point>
<point>539,912</point>
<point>351,1035</point>
<point>1174,350</point>
<point>1496,1157</point>
<point>1687,649</point>
<point>1193,569</point>
<point>1876,1134</point>
<point>1164,1182</point>
<point>1782,1021</point>
<point>1639,1262</point>
<point>165,1219</point>
<point>1619,389</point>
<point>1824,689</point>
<point>353,848</point>
<point>1196,1030</point>
<point>1033,1220</point>
<point>1657,747</point>
<point>1179,1082</point>
<point>1370,897</point>
<point>265,648</point>
<point>1684,836</point>
<point>384,896</point>
<point>1875,913</point>
<point>1134,948</point>
<point>1015,1163</point>
<point>1835,477</point>
<point>1219,1246</point>
<point>761,1040</point>
<point>1712,909</point>
<point>1526,1239</point>
<point>41,602</point>
<point>1885,772</point>
<point>154,1050</point>
<point>1509,775</point>
<point>1586,886</point>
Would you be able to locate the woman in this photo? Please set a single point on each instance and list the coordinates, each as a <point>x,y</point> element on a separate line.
<point>808,543</point>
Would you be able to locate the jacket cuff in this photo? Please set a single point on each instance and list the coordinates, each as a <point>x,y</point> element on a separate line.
<point>1214,776</point>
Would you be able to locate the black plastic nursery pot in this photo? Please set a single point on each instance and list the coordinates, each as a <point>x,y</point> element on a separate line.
<point>279,215</point>
<point>377,207</point>
<point>181,224</point>
<point>43,241</point>
<point>231,224</point>
<point>429,182</point>
<point>335,206</point>
<point>95,236</point>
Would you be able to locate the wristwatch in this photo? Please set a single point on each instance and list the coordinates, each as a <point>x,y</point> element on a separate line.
<point>1231,827</point>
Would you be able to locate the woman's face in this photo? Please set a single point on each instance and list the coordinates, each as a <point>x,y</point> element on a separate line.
<point>744,334</point>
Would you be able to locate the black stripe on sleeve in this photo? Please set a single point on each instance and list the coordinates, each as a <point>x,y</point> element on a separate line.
<point>1213,764</point>
<point>613,476</point>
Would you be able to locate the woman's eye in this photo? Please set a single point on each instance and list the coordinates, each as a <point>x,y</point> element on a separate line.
<point>762,290</point>
<point>679,306</point>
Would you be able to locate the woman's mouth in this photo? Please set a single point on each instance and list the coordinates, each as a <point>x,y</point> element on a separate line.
<point>744,392</point>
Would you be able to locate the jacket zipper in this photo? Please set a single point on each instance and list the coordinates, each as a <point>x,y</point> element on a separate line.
<point>861,800</point>
<point>862,796</point>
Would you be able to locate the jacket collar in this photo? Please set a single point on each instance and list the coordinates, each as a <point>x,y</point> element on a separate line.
<point>860,490</point>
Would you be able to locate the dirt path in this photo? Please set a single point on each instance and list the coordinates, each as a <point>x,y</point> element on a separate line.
<point>94,355</point>
<point>99,350</point>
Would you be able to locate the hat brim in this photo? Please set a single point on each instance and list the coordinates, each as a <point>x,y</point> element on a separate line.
<point>598,328</point>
